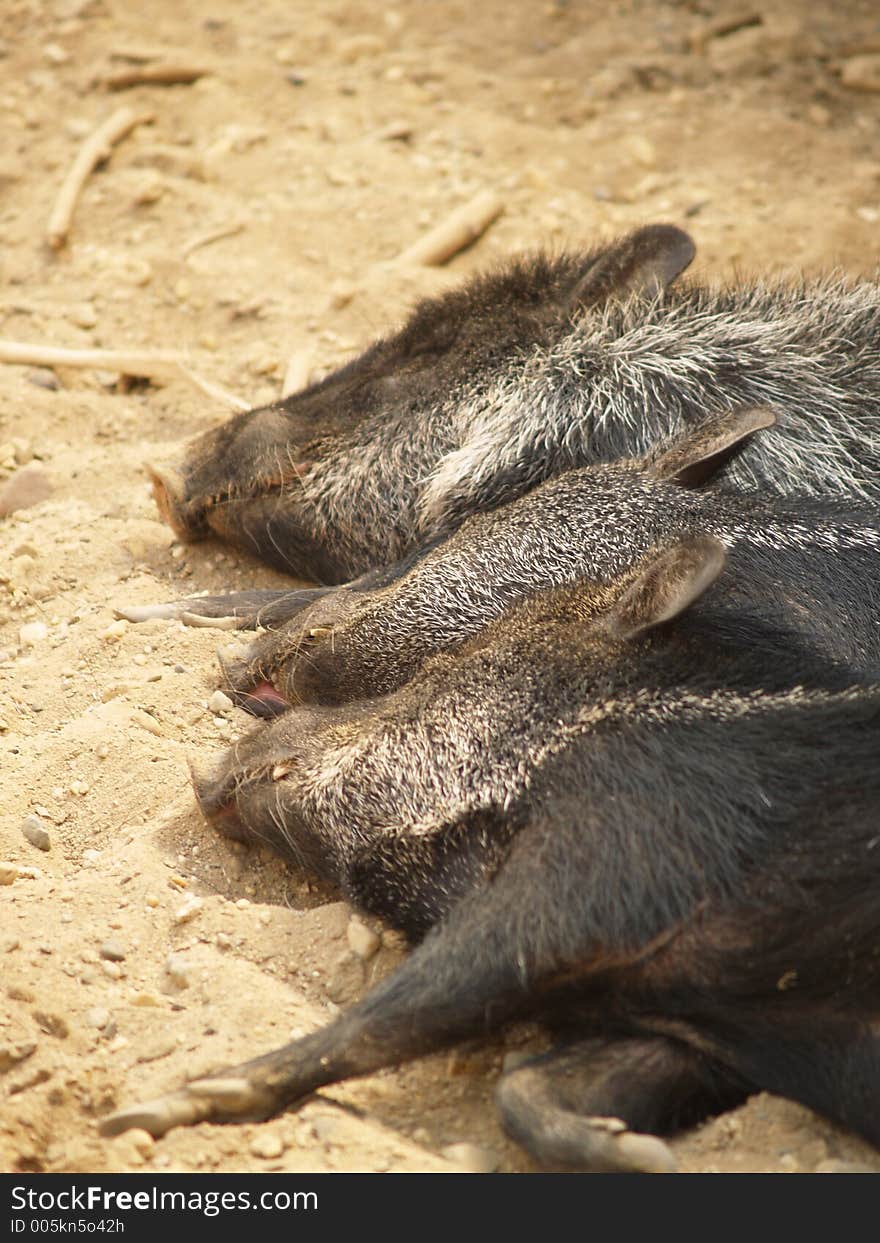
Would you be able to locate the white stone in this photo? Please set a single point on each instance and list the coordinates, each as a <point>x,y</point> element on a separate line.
<point>188,909</point>
<point>219,704</point>
<point>32,633</point>
<point>472,1158</point>
<point>267,1144</point>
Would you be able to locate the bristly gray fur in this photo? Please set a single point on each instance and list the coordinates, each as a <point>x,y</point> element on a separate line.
<point>624,812</point>
<point>634,372</point>
<point>808,566</point>
<point>519,376</point>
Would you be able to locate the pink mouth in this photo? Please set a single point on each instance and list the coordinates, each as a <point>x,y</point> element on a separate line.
<point>263,700</point>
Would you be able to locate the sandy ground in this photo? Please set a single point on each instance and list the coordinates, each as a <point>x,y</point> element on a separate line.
<point>139,948</point>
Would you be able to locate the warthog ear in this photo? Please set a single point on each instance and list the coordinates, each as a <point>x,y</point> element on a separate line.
<point>700,452</point>
<point>642,263</point>
<point>665,584</point>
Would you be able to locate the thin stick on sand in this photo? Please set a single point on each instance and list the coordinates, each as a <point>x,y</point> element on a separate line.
<point>205,239</point>
<point>151,364</point>
<point>148,363</point>
<point>94,150</point>
<point>459,230</point>
<point>217,391</point>
<point>159,74</point>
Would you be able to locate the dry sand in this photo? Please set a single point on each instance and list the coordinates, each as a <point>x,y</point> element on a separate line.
<point>326,138</point>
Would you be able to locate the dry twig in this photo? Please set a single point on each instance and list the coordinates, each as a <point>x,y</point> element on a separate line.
<point>159,73</point>
<point>151,364</point>
<point>205,239</point>
<point>459,230</point>
<point>94,150</point>
<point>217,391</point>
<point>720,27</point>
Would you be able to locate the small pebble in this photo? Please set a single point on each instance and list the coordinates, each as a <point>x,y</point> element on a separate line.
<point>83,315</point>
<point>36,832</point>
<point>141,1141</point>
<point>219,704</point>
<point>153,1050</point>
<point>112,970</point>
<point>22,568</point>
<point>819,114</point>
<point>145,999</point>
<point>179,970</point>
<point>861,73</point>
<point>115,630</point>
<point>333,1128</point>
<point>396,131</point>
<point>267,1144</point>
<point>112,949</point>
<point>472,1158</point>
<point>642,150</point>
<point>98,1017</point>
<point>32,633</point>
<point>44,378</point>
<point>188,909</point>
<point>147,722</point>
<point>149,189</point>
<point>8,873</point>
